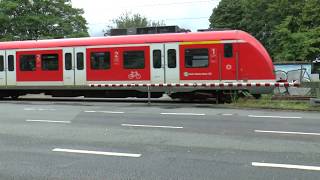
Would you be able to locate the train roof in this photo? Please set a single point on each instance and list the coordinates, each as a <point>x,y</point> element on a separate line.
<point>132,39</point>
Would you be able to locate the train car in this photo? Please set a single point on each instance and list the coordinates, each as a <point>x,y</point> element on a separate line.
<point>122,66</point>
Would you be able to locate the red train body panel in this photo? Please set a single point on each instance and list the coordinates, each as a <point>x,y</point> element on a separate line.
<point>38,73</point>
<point>206,57</point>
<point>117,72</point>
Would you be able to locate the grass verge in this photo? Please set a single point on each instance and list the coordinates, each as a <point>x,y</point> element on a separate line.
<point>267,103</point>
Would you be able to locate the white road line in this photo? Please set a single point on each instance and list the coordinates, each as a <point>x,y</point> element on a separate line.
<point>96,152</point>
<point>46,109</point>
<point>48,121</point>
<point>108,112</point>
<point>90,111</point>
<point>183,114</point>
<point>151,126</point>
<point>227,114</point>
<point>112,112</point>
<point>29,109</point>
<point>286,166</point>
<point>287,132</point>
<point>38,109</point>
<point>281,117</point>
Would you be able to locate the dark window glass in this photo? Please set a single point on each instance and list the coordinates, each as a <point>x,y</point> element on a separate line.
<point>50,62</point>
<point>68,61</point>
<point>196,58</point>
<point>11,63</point>
<point>1,63</point>
<point>228,50</point>
<point>27,62</point>
<point>172,58</point>
<point>133,59</point>
<point>80,64</point>
<point>156,59</point>
<point>100,60</point>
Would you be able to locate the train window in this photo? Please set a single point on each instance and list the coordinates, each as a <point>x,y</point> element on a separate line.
<point>11,63</point>
<point>133,59</point>
<point>80,64</point>
<point>228,50</point>
<point>196,58</point>
<point>100,60</point>
<point>172,58</point>
<point>27,62</point>
<point>50,62</point>
<point>68,61</point>
<point>1,63</point>
<point>157,59</point>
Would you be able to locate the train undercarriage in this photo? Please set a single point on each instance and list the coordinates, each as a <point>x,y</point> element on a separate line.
<point>219,96</point>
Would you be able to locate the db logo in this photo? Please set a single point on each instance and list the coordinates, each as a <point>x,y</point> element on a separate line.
<point>228,67</point>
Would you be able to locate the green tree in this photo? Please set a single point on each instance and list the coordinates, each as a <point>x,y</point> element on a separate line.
<point>228,14</point>
<point>129,20</point>
<point>298,35</point>
<point>40,19</point>
<point>126,20</point>
<point>289,29</point>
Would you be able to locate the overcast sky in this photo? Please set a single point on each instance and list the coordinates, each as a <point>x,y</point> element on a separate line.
<point>190,14</point>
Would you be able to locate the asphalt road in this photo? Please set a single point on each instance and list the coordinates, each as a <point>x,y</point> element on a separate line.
<point>123,140</point>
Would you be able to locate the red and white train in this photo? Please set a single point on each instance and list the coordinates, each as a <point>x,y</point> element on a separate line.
<point>183,65</point>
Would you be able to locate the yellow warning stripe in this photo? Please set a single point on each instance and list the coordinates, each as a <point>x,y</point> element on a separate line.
<point>201,42</point>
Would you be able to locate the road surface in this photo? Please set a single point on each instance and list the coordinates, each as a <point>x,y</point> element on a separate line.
<point>132,140</point>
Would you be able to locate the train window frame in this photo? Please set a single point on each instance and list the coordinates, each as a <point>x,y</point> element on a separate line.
<point>1,63</point>
<point>50,62</point>
<point>228,50</point>
<point>68,61</point>
<point>10,63</point>
<point>157,59</point>
<point>103,64</point>
<point>126,59</point>
<point>27,62</point>
<point>194,54</point>
<point>172,58</point>
<point>80,61</point>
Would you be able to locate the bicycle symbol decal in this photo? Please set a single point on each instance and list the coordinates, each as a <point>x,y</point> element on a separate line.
<point>134,75</point>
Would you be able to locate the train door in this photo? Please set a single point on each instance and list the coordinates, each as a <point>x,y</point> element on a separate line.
<point>3,80</point>
<point>157,63</point>
<point>11,67</point>
<point>171,63</point>
<point>229,62</point>
<point>164,63</point>
<point>68,67</point>
<point>80,66</point>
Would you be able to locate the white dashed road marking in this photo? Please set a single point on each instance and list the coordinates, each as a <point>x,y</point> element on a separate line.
<point>151,126</point>
<point>280,117</point>
<point>183,114</point>
<point>227,114</point>
<point>38,109</point>
<point>48,121</point>
<point>90,111</point>
<point>287,132</point>
<point>96,152</point>
<point>286,166</point>
<point>107,112</point>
